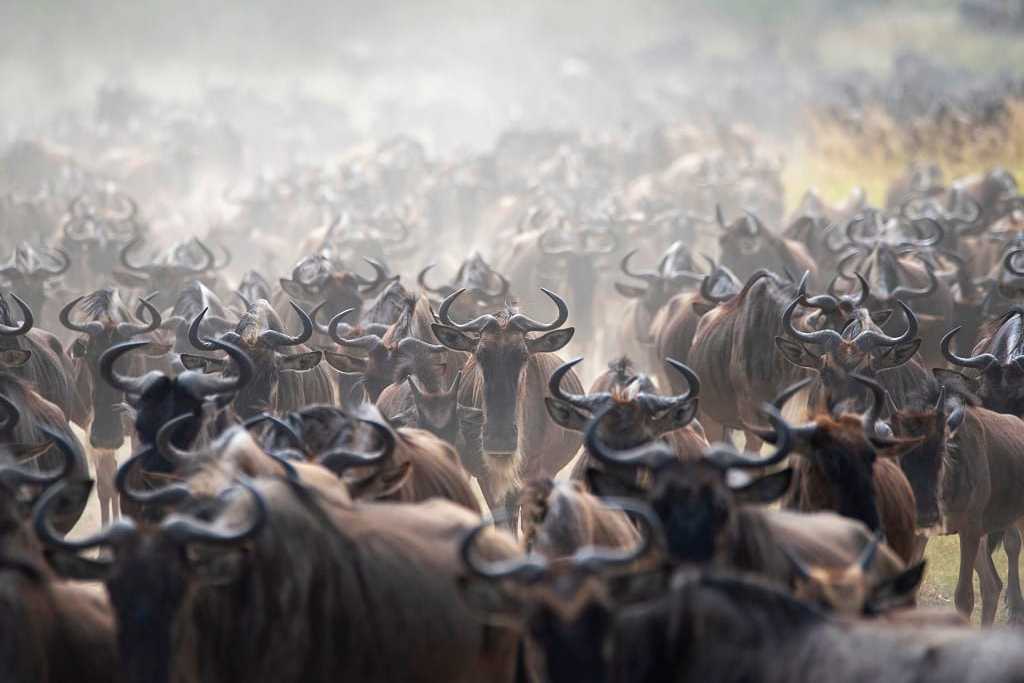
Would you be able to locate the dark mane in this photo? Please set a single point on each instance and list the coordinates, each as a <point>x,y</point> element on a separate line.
<point>104,302</point>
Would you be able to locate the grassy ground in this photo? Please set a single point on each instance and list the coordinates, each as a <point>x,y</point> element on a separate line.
<point>943,556</point>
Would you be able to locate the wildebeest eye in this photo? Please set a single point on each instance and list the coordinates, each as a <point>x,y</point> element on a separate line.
<point>78,349</point>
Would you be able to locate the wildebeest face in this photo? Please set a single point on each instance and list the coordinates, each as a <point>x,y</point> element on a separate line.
<point>925,464</point>
<point>501,346</point>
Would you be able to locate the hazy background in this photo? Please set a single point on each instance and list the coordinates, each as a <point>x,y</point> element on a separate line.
<point>456,73</point>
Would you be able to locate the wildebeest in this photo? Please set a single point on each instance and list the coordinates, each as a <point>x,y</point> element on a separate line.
<point>55,631</point>
<point>312,558</point>
<point>748,246</point>
<point>998,360</point>
<point>109,323</point>
<point>965,476</point>
<point>505,376</point>
<point>845,465</point>
<point>280,382</point>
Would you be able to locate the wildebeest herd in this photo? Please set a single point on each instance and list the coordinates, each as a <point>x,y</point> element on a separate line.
<point>362,448</point>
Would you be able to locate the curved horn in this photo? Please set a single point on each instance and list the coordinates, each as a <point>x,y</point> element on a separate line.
<point>826,336</point>
<point>193,333</point>
<point>27,320</point>
<point>129,385</point>
<point>133,329</point>
<point>692,387</point>
<point>276,422</point>
<point>646,276</point>
<point>171,494</point>
<point>202,384</point>
<point>938,233</point>
<point>869,339</point>
<point>380,271</point>
<point>476,324</point>
<point>64,263</point>
<point>650,454</point>
<point>275,338</point>
<point>14,475</point>
<point>725,456</point>
<point>421,279</point>
<point>595,559</point>
<point>91,328</point>
<point>526,568</point>
<point>366,342</point>
<point>909,292</point>
<point>124,255</point>
<point>340,459</point>
<point>210,258</point>
<point>414,345</point>
<point>585,401</point>
<point>115,534</point>
<point>527,324</point>
<point>979,362</point>
<point>168,451</point>
<point>188,529</point>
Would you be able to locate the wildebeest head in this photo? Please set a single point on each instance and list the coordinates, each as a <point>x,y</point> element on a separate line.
<point>675,271</point>
<point>153,567</point>
<point>559,603</point>
<point>850,590</point>
<point>746,244</point>
<point>315,279</point>
<point>388,353</point>
<point>22,483</point>
<point>841,450</point>
<point>486,287</point>
<point>158,398</point>
<point>12,352</point>
<point>695,500</point>
<point>168,274</point>
<point>109,323</point>
<point>861,347</point>
<point>998,359</point>
<point>95,230</point>
<point>259,335</point>
<point>574,253</point>
<point>501,346</point>
<point>637,413</point>
<point>935,425</point>
<point>30,272</point>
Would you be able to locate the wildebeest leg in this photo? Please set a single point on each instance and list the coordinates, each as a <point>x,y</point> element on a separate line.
<point>964,595</point>
<point>1014,599</point>
<point>105,466</point>
<point>920,543</point>
<point>991,585</point>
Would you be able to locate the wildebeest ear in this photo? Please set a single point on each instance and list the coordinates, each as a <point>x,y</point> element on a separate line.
<point>194,362</point>
<point>14,358</point>
<point>345,363</point>
<point>881,317</point>
<point>490,602</point>
<point>130,279</point>
<point>300,362</point>
<point>550,342</point>
<point>701,307</point>
<point>896,591</point>
<point>565,414</point>
<point>766,489</point>
<point>453,338</point>
<point>897,355</point>
<point>629,291</point>
<point>606,485</point>
<point>382,484</point>
<point>797,354</point>
<point>293,289</point>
